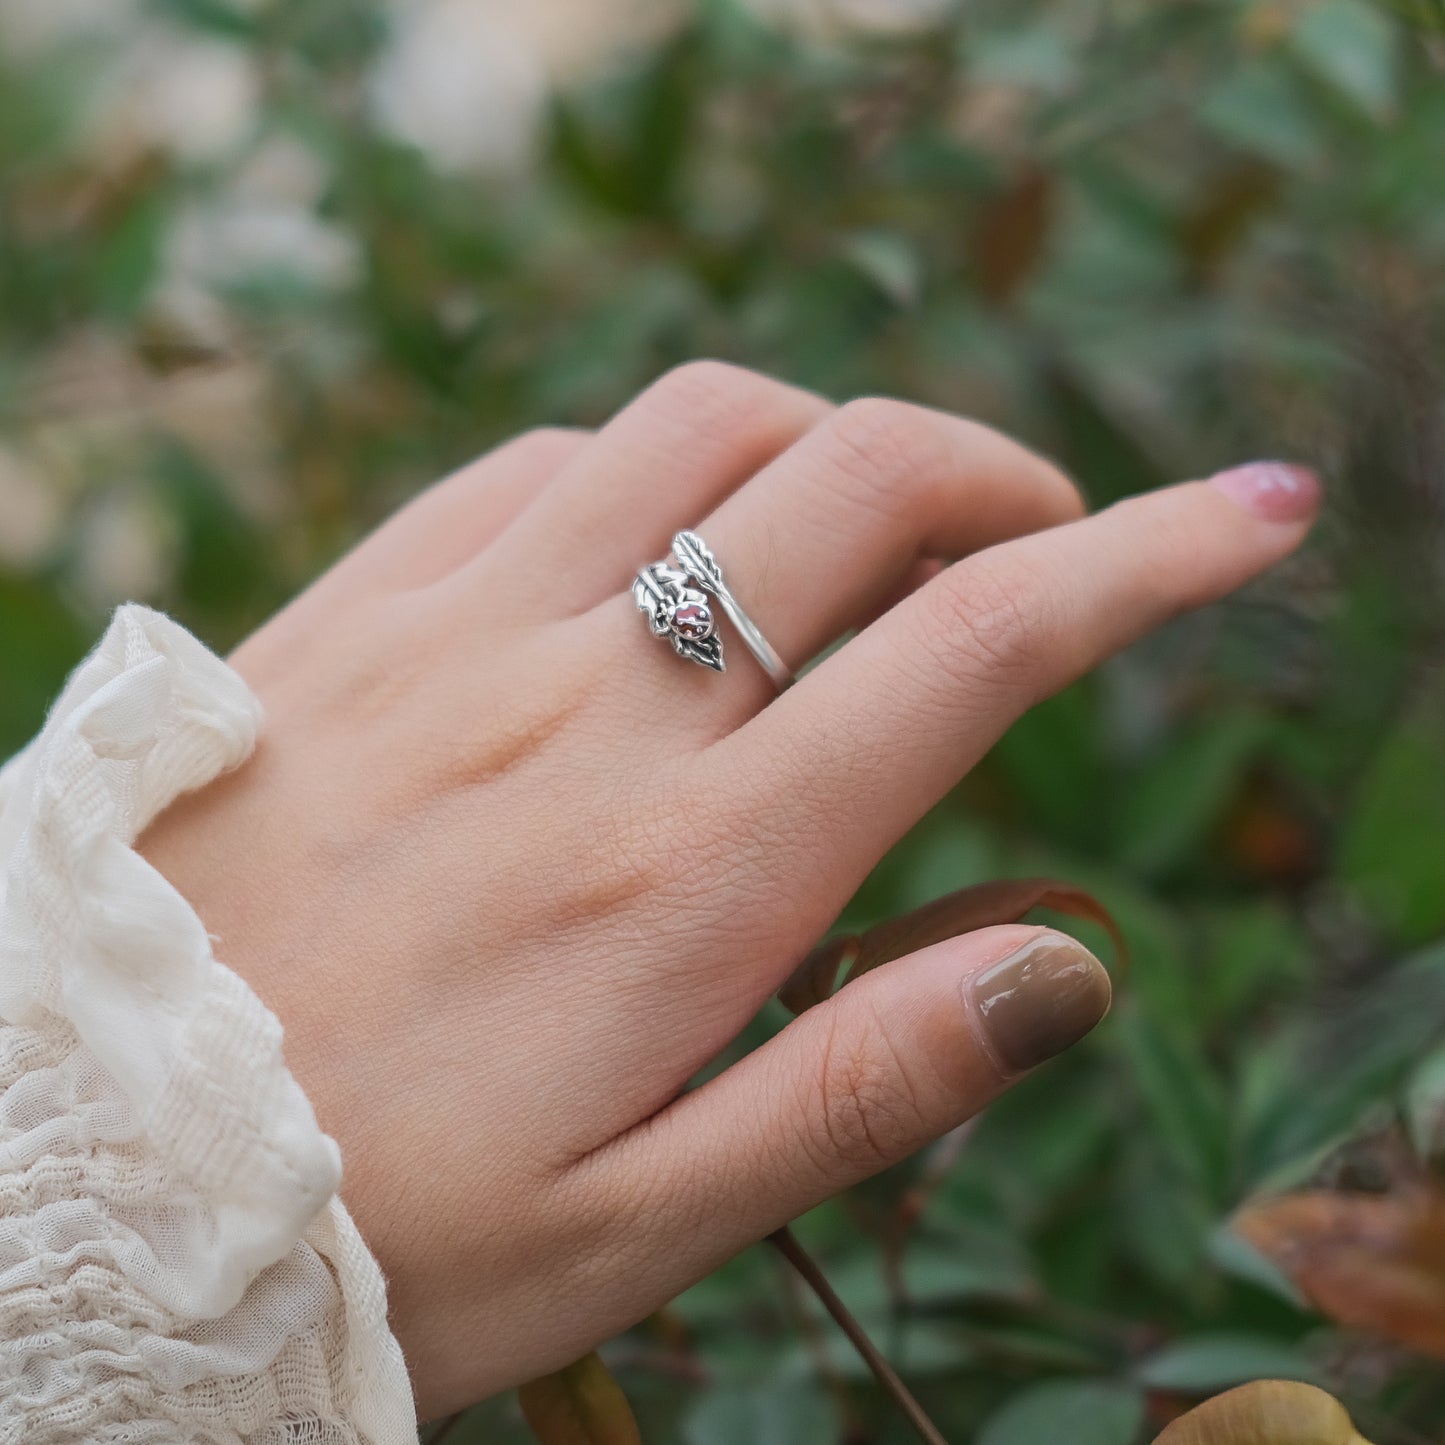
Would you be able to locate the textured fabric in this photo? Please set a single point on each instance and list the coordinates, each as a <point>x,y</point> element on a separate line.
<point>175,1264</point>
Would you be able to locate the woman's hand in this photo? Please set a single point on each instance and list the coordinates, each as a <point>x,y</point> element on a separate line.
<point>511,872</point>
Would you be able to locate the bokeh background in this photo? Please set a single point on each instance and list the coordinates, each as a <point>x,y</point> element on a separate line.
<point>269,266</point>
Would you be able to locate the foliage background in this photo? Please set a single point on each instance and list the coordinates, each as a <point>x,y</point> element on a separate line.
<point>267,268</point>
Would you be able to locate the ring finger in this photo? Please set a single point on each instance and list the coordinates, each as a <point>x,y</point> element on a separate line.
<point>821,537</point>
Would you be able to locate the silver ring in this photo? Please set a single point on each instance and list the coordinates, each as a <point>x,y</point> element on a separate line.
<point>674,595</point>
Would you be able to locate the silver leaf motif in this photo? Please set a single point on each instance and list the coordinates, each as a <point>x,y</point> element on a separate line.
<point>697,561</point>
<point>708,651</point>
<point>659,591</point>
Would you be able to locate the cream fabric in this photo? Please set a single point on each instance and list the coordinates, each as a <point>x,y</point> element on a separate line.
<point>175,1264</point>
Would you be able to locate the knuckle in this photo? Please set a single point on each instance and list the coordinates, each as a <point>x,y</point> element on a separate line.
<point>1072,502</point>
<point>712,386</point>
<point>869,1113</point>
<point>630,847</point>
<point>1075,500</point>
<point>904,458</point>
<point>1005,460</point>
<point>665,867</point>
<point>550,443</point>
<point>555,437</point>
<point>990,620</point>
<point>731,405</point>
<point>891,453</point>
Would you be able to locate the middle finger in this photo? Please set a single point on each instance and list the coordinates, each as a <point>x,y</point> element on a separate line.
<point>823,536</point>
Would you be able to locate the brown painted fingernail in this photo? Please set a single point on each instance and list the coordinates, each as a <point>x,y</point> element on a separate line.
<point>1038,1001</point>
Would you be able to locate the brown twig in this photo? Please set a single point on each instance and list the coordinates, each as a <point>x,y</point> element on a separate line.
<point>787,1245</point>
<point>446,1427</point>
<point>937,1167</point>
<point>815,1338</point>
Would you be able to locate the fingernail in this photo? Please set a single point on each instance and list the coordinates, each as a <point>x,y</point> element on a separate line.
<point>1038,1001</point>
<point>1271,491</point>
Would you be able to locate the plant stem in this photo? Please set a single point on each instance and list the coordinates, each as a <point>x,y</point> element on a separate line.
<point>445,1428</point>
<point>815,1338</point>
<point>786,1243</point>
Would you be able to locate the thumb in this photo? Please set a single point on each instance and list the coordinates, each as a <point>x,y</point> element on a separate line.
<point>892,1061</point>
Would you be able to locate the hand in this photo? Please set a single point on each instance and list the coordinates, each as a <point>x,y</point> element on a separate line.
<point>511,872</point>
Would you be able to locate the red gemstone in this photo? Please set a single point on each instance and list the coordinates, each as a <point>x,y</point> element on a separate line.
<point>693,621</point>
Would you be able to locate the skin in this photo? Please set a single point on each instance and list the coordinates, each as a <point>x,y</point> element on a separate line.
<point>510,872</point>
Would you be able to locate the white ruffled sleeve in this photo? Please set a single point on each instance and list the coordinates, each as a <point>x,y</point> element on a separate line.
<point>175,1263</point>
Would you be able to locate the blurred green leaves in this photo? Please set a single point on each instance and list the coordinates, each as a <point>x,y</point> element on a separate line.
<point>1149,240</point>
<point>1400,800</point>
<point>1351,46</point>
<point>1203,1364</point>
<point>42,642</point>
<point>778,1413</point>
<point>1086,1413</point>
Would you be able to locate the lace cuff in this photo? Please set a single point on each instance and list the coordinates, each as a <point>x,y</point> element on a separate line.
<point>175,1264</point>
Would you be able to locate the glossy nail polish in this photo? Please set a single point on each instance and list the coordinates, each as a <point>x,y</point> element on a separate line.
<point>1271,491</point>
<point>1038,1001</point>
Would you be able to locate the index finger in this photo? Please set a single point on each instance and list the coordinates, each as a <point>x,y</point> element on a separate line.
<point>862,746</point>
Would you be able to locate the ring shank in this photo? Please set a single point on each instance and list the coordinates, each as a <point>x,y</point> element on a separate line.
<point>757,644</point>
<point>661,590</point>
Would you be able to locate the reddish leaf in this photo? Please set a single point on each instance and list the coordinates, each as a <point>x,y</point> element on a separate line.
<point>817,976</point>
<point>1217,226</point>
<point>1271,842</point>
<point>982,906</point>
<point>581,1405</point>
<point>1007,900</point>
<point>1266,1412</point>
<point>1372,1261</point>
<point>1013,235</point>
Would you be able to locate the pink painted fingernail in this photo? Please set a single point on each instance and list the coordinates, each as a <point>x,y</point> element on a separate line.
<point>1271,491</point>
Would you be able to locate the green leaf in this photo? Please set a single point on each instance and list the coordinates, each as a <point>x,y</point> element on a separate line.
<point>1353,47</point>
<point>1255,950</point>
<point>1164,1222</point>
<point>40,642</point>
<point>1344,1067</point>
<point>130,259</point>
<point>214,16</point>
<point>224,557</point>
<point>947,850</point>
<point>968,1264</point>
<point>1260,108</point>
<point>1173,807</point>
<point>1384,851</point>
<point>1039,57</point>
<point>1204,1363</point>
<point>1051,758</point>
<point>782,1412</point>
<point>889,261</point>
<point>1425,1107</point>
<point>1083,1412</point>
<point>1183,1098</point>
<point>627,155</point>
<point>1237,1257</point>
<point>918,1345</point>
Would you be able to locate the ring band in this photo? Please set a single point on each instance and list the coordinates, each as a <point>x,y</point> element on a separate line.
<point>675,599</point>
